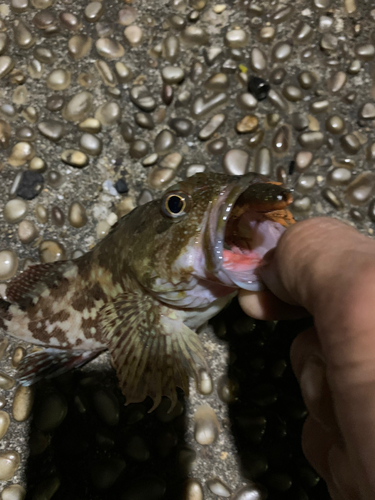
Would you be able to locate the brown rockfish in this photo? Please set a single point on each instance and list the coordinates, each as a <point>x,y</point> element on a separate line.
<point>142,292</point>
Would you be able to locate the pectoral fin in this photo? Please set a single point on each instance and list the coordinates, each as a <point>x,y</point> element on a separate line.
<point>151,348</point>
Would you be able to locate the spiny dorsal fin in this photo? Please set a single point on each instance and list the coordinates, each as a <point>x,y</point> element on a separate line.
<point>34,279</point>
<point>151,348</point>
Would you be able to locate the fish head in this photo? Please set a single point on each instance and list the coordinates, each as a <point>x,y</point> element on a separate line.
<point>208,229</point>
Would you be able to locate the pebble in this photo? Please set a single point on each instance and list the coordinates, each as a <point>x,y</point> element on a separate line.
<point>206,425</point>
<point>142,98</point>
<point>127,15</point>
<point>15,210</point>
<point>106,406</point>
<point>182,127</point>
<point>102,229</point>
<point>8,265</point>
<point>320,106</point>
<point>303,160</point>
<point>90,125</point>
<point>41,214</point>
<point>281,52</point>
<point>350,144</point>
<point>247,124</point>
<point>9,463</point>
<point>78,107</point>
<point>194,35</point>
<point>23,35</point>
<point>18,355</point>
<point>292,93</point>
<point>150,160</point>
<point>339,176</point>
<point>172,74</point>
<point>58,79</point>
<point>365,52</point>
<point>263,162</point>
<point>258,60</point>
<point>367,111</point>
<point>336,82</point>
<point>201,107</point>
<point>138,149</point>
<point>235,39</point>
<point>50,412</point>
<point>57,216</point>
<point>172,160</point>
<point>51,251</point>
<point>123,73</point>
<point>218,82</point>
<point>164,142</point>
<point>204,383</point>
<point>281,140</point>
<point>335,124</point>
<point>250,492</point>
<point>22,403</point>
<point>218,487</point>
<point>133,35</point>
<point>305,183</point>
<point>93,12</point>
<point>306,79</point>
<point>303,33</point>
<point>227,389</point>
<point>121,186</point>
<point>27,231</point>
<point>211,126</point>
<point>276,98</point>
<point>108,113</point>
<point>13,492</point>
<point>90,144</point>
<point>236,162</point>
<point>110,49</point>
<point>332,198</point>
<point>246,101</point>
<point>193,490</point>
<point>79,46</point>
<point>312,141</point>
<point>4,423</point>
<point>25,133</point>
<point>159,178</point>
<point>22,152</point>
<point>5,133</point>
<point>258,87</point>
<point>74,158</point>
<point>217,146</point>
<point>55,179</point>
<point>171,48</point>
<point>52,129</point>
<point>361,189</point>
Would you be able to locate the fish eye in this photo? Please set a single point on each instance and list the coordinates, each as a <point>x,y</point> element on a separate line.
<point>174,204</point>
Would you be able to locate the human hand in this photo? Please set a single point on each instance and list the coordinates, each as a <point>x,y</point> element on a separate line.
<point>327,268</point>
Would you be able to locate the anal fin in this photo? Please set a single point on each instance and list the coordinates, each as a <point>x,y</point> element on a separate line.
<point>50,362</point>
<point>152,350</point>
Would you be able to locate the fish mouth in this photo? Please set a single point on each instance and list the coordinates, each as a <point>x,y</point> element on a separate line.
<point>246,222</point>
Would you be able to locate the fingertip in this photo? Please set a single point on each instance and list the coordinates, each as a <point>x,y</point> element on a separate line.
<point>266,306</point>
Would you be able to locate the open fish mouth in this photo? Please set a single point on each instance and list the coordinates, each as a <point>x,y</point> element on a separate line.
<point>245,223</point>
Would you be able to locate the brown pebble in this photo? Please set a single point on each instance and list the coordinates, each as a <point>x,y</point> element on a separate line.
<point>249,123</point>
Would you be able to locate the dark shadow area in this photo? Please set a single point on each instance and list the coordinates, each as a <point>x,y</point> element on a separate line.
<point>268,412</point>
<point>85,444</point>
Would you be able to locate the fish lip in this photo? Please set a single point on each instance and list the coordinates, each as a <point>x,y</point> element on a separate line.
<point>219,216</point>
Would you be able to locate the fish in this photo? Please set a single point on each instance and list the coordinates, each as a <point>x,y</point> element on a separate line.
<point>144,290</point>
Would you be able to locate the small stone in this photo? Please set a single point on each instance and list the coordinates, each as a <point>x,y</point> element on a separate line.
<point>133,35</point>
<point>165,141</point>
<point>75,158</point>
<point>22,403</point>
<point>303,160</point>
<point>204,383</point>
<point>277,76</point>
<point>44,55</point>
<point>90,144</point>
<point>8,265</point>
<point>6,382</point>
<point>57,216</point>
<point>292,93</point>
<point>58,79</point>
<point>5,133</point>
<point>4,423</point>
<point>195,168</point>
<point>55,179</point>
<point>123,73</point>
<point>142,98</point>
<point>250,492</point>
<point>361,189</point>
<point>15,210</point>
<point>217,146</point>
<point>218,487</point>
<point>335,124</point>
<point>159,178</point>
<point>329,42</point>
<point>9,463</point>
<point>332,198</point>
<point>79,46</point>
<point>78,107</point>
<point>306,79</point>
<point>55,103</point>
<point>41,214</point>
<point>227,389</point>
<point>77,215</point>
<point>22,152</point>
<point>263,162</point>
<point>167,94</point>
<point>173,160</point>
<point>27,232</point>
<point>276,98</point>
<point>339,176</point>
<point>367,111</point>
<point>13,492</point>
<point>312,141</point>
<point>320,106</point>
<point>110,49</point>
<point>236,162</point>
<point>127,16</point>
<point>303,33</point>
<point>246,101</point>
<point>248,124</point>
<point>172,74</point>
<point>18,354</point>
<point>217,82</point>
<point>23,35</point>
<point>194,35</point>
<point>258,87</point>
<point>102,229</point>
<point>52,129</point>
<point>281,52</point>
<point>350,144</point>
<point>200,106</point>
<point>236,39</point>
<point>107,407</point>
<point>30,114</point>
<point>193,490</point>
<point>150,160</point>
<point>182,127</point>
<point>258,61</point>
<point>211,127</point>
<point>90,125</point>
<point>305,183</point>
<point>336,82</point>
<point>171,48</point>
<point>138,149</point>
<point>365,52</point>
<point>108,113</point>
<point>93,11</point>
<point>50,412</point>
<point>281,140</point>
<point>206,425</point>
<point>51,251</point>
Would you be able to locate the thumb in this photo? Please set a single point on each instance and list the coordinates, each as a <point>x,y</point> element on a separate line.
<point>328,268</point>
